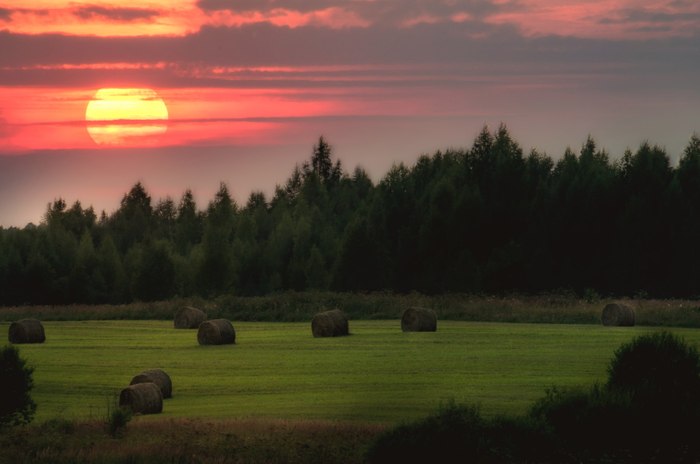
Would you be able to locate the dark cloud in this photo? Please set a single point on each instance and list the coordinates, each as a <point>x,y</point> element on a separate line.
<point>635,16</point>
<point>447,54</point>
<point>5,14</point>
<point>114,14</point>
<point>266,45</point>
<point>387,12</point>
<point>262,5</point>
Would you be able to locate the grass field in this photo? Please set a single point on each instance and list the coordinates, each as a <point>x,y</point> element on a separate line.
<point>279,371</point>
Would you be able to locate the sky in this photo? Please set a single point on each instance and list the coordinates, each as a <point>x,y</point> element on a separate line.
<point>239,91</point>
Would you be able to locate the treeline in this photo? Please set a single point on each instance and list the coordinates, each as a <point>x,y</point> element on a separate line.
<point>486,219</point>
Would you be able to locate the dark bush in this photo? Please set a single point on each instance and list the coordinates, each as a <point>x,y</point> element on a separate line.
<point>660,374</point>
<point>587,425</point>
<point>645,413</point>
<point>658,369</point>
<point>522,440</point>
<point>16,405</point>
<point>642,414</point>
<point>454,434</point>
<point>458,433</point>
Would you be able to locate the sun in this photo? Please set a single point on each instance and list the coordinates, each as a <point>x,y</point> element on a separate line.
<point>126,116</point>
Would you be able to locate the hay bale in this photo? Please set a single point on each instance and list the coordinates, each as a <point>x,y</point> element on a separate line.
<point>618,315</point>
<point>27,331</point>
<point>333,323</point>
<point>189,317</point>
<point>216,332</point>
<point>158,377</point>
<point>419,320</point>
<point>142,398</point>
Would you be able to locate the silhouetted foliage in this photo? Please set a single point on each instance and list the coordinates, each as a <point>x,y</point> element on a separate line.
<point>645,413</point>
<point>16,404</point>
<point>660,373</point>
<point>458,433</point>
<point>489,218</point>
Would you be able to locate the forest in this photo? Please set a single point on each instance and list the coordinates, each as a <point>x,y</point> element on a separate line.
<point>490,219</point>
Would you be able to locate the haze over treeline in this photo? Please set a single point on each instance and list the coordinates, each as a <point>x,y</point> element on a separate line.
<point>485,219</point>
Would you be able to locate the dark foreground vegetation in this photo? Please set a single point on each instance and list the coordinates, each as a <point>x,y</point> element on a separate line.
<point>487,219</point>
<point>643,413</point>
<point>185,441</point>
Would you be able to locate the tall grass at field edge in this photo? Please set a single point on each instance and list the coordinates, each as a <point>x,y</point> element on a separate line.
<point>301,306</point>
<point>202,441</point>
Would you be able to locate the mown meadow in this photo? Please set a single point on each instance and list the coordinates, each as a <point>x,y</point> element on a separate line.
<point>281,395</point>
<point>279,371</point>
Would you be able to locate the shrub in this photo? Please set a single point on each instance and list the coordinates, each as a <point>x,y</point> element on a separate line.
<point>588,424</point>
<point>657,369</point>
<point>455,433</point>
<point>660,374</point>
<point>16,404</point>
<point>642,413</point>
<point>117,417</point>
<point>458,433</point>
<point>646,412</point>
<point>522,440</point>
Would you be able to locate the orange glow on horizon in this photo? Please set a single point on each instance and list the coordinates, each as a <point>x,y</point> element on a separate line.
<point>121,116</point>
<point>44,118</point>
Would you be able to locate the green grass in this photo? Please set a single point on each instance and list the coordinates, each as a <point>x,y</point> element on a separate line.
<point>279,371</point>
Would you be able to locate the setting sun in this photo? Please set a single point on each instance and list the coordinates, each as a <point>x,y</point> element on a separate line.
<point>121,116</point>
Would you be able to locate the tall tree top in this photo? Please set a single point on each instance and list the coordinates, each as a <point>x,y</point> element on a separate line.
<point>322,165</point>
<point>137,198</point>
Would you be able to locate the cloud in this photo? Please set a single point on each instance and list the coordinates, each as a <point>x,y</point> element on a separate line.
<point>604,19</point>
<point>262,5</point>
<point>633,17</point>
<point>262,44</point>
<point>101,19</point>
<point>95,12</point>
<point>332,17</point>
<point>396,13</point>
<point>619,20</point>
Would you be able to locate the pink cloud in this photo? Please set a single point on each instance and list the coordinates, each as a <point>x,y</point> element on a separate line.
<point>601,19</point>
<point>620,19</point>
<point>334,18</point>
<point>100,20</point>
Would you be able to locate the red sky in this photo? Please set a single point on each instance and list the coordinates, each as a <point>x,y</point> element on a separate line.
<point>250,85</point>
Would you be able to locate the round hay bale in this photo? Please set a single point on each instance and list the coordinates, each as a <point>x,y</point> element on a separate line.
<point>158,377</point>
<point>26,331</point>
<point>618,315</point>
<point>333,323</point>
<point>216,332</point>
<point>142,398</point>
<point>419,320</point>
<point>189,317</point>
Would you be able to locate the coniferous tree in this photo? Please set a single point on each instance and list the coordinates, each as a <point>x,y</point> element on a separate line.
<point>155,277</point>
<point>133,221</point>
<point>217,272</point>
<point>188,224</point>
